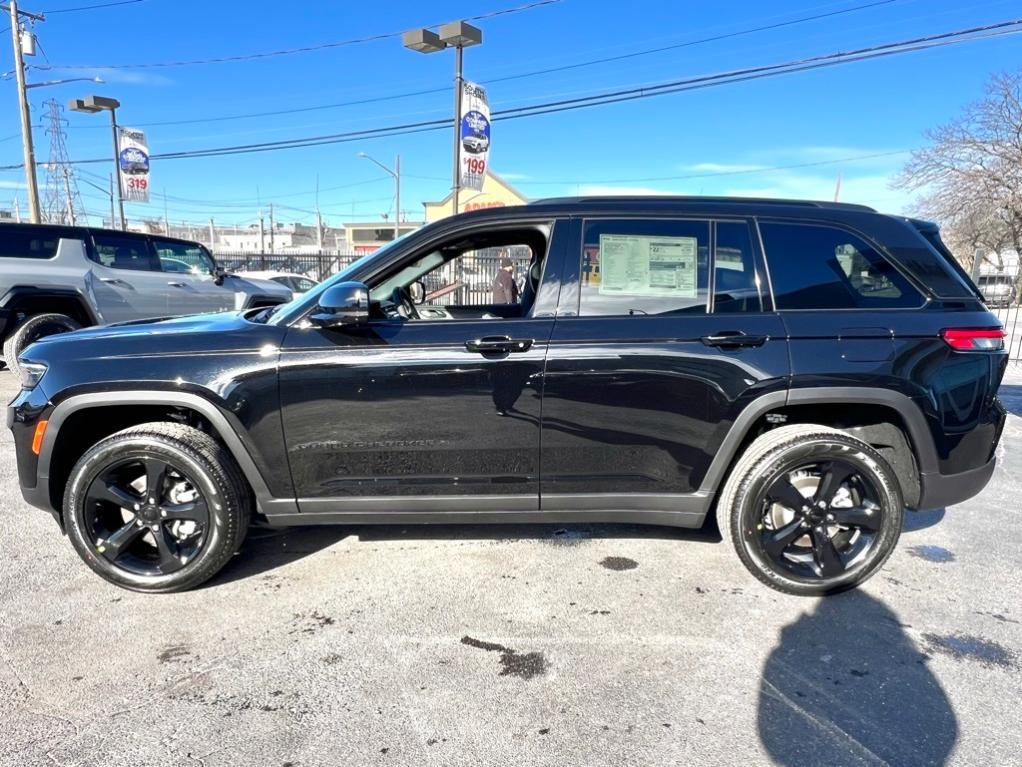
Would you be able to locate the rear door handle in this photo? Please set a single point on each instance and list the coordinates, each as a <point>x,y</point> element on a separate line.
<point>176,284</point>
<point>733,339</point>
<point>499,345</point>
<point>112,281</point>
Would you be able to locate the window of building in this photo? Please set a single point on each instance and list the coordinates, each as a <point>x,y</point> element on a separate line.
<point>823,267</point>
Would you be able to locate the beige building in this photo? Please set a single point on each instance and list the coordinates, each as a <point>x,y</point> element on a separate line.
<point>496,193</point>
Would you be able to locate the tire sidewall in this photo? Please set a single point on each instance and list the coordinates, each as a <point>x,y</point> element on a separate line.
<point>785,458</point>
<point>119,450</point>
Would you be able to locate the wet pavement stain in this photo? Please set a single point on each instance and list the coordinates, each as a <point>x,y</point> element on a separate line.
<point>566,537</point>
<point>965,647</point>
<point>526,666</point>
<point>932,553</point>
<point>175,654</point>
<point>619,563</point>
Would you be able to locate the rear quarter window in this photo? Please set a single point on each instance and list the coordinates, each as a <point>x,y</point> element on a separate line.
<point>817,266</point>
<point>32,244</point>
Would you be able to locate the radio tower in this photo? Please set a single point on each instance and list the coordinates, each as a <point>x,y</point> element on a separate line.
<point>63,203</point>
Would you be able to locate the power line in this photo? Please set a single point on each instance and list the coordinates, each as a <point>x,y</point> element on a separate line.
<point>304,48</point>
<point>522,75</point>
<point>92,7</point>
<point>626,94</point>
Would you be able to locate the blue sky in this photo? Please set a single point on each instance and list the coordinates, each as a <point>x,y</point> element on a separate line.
<point>721,140</point>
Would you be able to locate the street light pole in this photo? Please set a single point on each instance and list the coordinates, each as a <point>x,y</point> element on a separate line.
<point>26,120</point>
<point>117,169</point>
<point>458,35</point>
<point>396,173</point>
<point>91,105</point>
<point>456,184</point>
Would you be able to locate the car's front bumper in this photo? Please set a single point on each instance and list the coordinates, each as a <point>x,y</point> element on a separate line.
<point>24,413</point>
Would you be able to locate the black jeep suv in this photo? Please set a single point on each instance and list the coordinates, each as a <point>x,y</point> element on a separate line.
<point>803,371</point>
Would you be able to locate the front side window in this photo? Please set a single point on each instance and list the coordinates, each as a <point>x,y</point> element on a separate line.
<point>183,257</point>
<point>119,252</point>
<point>644,267</point>
<point>816,266</point>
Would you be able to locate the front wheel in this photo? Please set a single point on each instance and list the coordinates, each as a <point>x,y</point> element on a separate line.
<point>159,507</point>
<point>811,510</point>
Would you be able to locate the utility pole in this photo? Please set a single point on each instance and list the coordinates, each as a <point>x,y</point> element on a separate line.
<point>166,218</point>
<point>69,197</point>
<point>272,228</point>
<point>17,210</point>
<point>319,230</point>
<point>262,235</point>
<point>26,119</point>
<point>212,234</point>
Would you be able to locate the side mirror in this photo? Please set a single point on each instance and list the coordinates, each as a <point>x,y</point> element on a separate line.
<point>218,275</point>
<point>417,291</point>
<point>344,304</point>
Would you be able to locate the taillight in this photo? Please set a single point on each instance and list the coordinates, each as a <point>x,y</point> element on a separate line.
<point>974,339</point>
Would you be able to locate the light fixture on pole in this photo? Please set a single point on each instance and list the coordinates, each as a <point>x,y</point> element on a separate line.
<point>396,173</point>
<point>91,105</point>
<point>458,35</point>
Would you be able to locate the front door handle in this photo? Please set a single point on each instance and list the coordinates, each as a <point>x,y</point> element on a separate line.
<point>499,345</point>
<point>112,281</point>
<point>733,339</point>
<point>176,284</point>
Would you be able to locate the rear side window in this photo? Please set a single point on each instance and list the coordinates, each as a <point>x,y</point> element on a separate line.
<point>30,243</point>
<point>736,272</point>
<point>823,267</point>
<point>119,252</point>
<point>644,267</point>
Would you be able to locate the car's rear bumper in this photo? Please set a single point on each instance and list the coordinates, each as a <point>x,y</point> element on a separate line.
<point>938,491</point>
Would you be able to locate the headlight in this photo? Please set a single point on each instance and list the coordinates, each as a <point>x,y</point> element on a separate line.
<point>31,373</point>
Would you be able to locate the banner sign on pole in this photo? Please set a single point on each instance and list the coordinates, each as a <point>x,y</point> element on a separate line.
<point>475,135</point>
<point>133,161</point>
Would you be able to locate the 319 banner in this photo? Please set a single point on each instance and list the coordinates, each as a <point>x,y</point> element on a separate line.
<point>133,161</point>
<point>475,135</point>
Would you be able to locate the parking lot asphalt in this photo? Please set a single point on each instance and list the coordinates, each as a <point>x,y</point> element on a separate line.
<point>531,645</point>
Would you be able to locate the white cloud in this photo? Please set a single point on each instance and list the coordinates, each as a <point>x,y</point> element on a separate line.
<point>871,189</point>
<point>120,76</point>
<point>12,185</point>
<point>515,176</point>
<point>610,189</point>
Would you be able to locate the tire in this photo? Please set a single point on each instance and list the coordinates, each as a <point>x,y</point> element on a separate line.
<point>195,462</point>
<point>862,527</point>
<point>31,330</point>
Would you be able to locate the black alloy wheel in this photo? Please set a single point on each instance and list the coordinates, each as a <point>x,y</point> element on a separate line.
<point>818,520</point>
<point>158,507</point>
<point>146,516</point>
<point>811,510</point>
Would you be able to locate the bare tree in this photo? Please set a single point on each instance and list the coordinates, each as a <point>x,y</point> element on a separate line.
<point>971,174</point>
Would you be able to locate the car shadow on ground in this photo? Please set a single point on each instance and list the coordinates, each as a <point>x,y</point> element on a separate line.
<point>920,520</point>
<point>1010,396</point>
<point>846,681</point>
<point>266,548</point>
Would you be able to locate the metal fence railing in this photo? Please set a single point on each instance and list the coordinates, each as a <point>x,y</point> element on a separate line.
<point>467,280</point>
<point>315,266</point>
<point>1011,318</point>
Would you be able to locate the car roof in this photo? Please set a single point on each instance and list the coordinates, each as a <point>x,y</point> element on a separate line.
<point>82,230</point>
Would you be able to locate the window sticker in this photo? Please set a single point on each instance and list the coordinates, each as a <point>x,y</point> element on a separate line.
<point>633,265</point>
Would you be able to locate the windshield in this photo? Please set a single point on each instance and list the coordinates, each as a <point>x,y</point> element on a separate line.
<point>287,312</point>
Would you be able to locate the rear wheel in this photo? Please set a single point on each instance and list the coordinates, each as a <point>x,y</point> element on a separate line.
<point>159,507</point>
<point>811,510</point>
<point>31,330</point>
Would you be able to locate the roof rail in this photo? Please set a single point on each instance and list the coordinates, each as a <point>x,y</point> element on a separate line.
<point>667,199</point>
